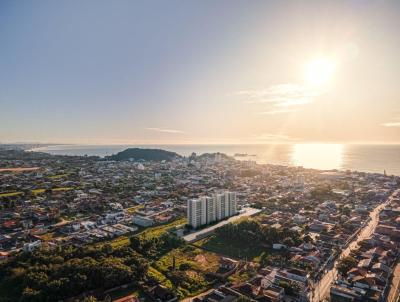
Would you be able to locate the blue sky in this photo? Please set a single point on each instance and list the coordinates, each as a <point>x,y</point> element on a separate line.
<point>197,71</point>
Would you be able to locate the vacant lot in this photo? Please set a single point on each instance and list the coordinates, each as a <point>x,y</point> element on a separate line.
<point>189,256</point>
<point>186,268</point>
<point>230,248</point>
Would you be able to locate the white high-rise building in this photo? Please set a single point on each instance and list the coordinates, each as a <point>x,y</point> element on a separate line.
<point>211,205</point>
<point>232,202</point>
<point>226,204</point>
<point>197,211</point>
<point>205,210</point>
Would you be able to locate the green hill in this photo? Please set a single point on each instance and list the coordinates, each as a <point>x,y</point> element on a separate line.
<point>144,154</point>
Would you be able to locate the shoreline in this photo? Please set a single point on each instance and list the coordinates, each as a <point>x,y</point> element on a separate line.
<point>273,154</point>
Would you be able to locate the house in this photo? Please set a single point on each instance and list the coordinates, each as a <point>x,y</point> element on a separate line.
<point>142,221</point>
<point>278,246</point>
<point>356,271</point>
<point>130,298</point>
<point>368,281</point>
<point>380,267</point>
<point>343,294</point>
<point>160,293</point>
<point>30,247</point>
<point>295,274</point>
<point>298,219</point>
<point>222,294</point>
<point>365,263</point>
<point>228,263</point>
<point>4,255</point>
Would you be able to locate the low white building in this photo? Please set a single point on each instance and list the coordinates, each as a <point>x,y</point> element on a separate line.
<point>142,221</point>
<point>31,246</point>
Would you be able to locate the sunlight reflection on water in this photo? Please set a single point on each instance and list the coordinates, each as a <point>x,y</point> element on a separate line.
<point>318,156</point>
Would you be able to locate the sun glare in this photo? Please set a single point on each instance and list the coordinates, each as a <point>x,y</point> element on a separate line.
<point>319,72</point>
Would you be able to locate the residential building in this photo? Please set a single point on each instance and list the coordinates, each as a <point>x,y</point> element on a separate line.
<point>205,210</point>
<point>143,221</point>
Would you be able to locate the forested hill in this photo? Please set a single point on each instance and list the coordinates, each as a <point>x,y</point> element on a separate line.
<point>144,154</point>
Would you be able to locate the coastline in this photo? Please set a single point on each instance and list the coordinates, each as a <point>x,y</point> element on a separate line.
<point>363,158</point>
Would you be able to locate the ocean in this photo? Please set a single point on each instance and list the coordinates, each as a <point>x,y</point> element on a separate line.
<point>366,158</point>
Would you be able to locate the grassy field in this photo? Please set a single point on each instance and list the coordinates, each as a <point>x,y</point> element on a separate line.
<point>190,256</point>
<point>157,230</point>
<point>120,241</point>
<point>131,290</point>
<point>150,232</point>
<point>230,249</point>
<point>192,265</point>
<point>41,191</point>
<point>10,194</point>
<point>133,210</point>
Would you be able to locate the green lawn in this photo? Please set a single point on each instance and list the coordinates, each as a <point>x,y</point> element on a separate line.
<point>230,249</point>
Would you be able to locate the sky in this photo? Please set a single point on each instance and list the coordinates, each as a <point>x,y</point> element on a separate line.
<point>206,72</point>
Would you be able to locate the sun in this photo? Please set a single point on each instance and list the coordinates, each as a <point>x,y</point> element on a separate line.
<point>319,72</point>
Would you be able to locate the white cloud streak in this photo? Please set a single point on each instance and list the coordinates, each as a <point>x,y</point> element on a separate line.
<point>272,137</point>
<point>277,111</point>
<point>393,124</point>
<point>282,95</point>
<point>163,130</point>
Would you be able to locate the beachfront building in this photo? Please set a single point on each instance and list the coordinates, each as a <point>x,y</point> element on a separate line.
<point>205,210</point>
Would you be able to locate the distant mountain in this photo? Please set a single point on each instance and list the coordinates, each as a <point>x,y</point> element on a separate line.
<point>144,154</point>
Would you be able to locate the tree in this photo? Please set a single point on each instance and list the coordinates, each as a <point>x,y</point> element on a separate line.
<point>346,264</point>
<point>243,299</point>
<point>288,241</point>
<point>89,299</point>
<point>308,239</point>
<point>291,288</point>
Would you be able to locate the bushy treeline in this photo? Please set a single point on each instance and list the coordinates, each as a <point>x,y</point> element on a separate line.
<point>51,275</point>
<point>156,246</point>
<point>251,232</point>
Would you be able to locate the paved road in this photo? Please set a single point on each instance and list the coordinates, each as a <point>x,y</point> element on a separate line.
<point>393,295</point>
<point>193,236</point>
<point>322,288</point>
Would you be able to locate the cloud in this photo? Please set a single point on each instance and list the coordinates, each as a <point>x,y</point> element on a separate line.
<point>392,124</point>
<point>272,137</point>
<point>282,95</point>
<point>277,111</point>
<point>163,130</point>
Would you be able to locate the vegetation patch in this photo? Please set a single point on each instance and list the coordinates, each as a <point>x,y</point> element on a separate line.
<point>158,230</point>
<point>187,268</point>
<point>230,248</point>
<point>10,194</point>
<point>246,239</point>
